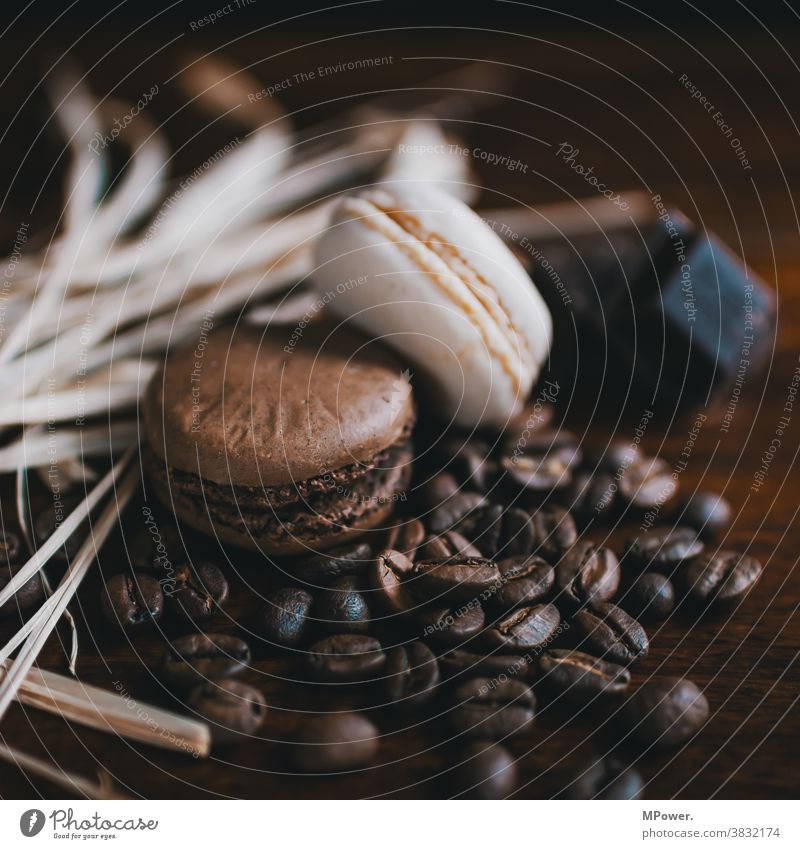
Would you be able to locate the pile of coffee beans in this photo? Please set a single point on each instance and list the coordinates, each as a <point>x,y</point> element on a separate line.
<point>487,599</point>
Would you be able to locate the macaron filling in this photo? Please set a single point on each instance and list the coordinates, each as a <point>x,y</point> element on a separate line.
<point>291,516</point>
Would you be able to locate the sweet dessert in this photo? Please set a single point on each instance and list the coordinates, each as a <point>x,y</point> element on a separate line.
<point>418,269</point>
<point>282,440</point>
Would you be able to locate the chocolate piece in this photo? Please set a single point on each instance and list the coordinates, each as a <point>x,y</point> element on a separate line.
<point>670,311</point>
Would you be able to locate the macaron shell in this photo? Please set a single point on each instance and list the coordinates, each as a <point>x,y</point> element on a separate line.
<point>445,218</point>
<point>430,328</point>
<point>444,290</point>
<point>298,546</point>
<point>245,517</point>
<point>249,412</point>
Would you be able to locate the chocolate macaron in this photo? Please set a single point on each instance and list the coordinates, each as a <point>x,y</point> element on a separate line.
<point>281,440</point>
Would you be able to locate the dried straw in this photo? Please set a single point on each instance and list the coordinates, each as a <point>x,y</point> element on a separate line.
<point>112,712</point>
<point>64,530</point>
<point>69,781</point>
<point>46,618</point>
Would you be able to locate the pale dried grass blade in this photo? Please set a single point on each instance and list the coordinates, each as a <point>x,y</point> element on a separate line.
<point>221,87</point>
<point>36,448</point>
<point>288,310</point>
<point>50,612</point>
<point>84,185</point>
<point>141,185</point>
<point>25,525</point>
<point>65,530</point>
<point>112,712</point>
<point>573,218</point>
<point>69,781</point>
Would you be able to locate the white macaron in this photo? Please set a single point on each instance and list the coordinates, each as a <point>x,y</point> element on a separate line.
<point>418,269</point>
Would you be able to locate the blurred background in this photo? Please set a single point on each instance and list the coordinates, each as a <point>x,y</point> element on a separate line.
<point>652,97</point>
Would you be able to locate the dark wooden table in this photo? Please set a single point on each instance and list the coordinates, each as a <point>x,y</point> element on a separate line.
<point>620,99</point>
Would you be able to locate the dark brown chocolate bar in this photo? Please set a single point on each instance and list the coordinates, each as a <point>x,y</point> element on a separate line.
<point>644,304</point>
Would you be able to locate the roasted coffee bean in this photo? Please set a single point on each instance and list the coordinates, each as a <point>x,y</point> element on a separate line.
<point>342,608</point>
<point>132,602</point>
<point>604,778</point>
<point>533,418</point>
<point>408,537</point>
<point>284,618</point>
<point>450,543</point>
<point>545,442</point>
<point>411,675</point>
<point>435,491</point>
<point>333,742</point>
<point>484,771</point>
<point>470,461</point>
<point>708,513</point>
<point>554,532</point>
<point>591,495</point>
<point>345,658</point>
<point>663,548</point>
<point>611,633</point>
<point>525,628</point>
<point>29,595</point>
<point>463,662</point>
<point>157,549</point>
<point>517,536</point>
<point>614,457</point>
<point>10,549</point>
<point>447,628</point>
<point>539,474</point>
<point>48,521</point>
<point>336,563</point>
<point>385,577</point>
<point>483,527</point>
<point>447,515</point>
<point>194,658</point>
<point>230,707</point>
<point>648,482</point>
<point>650,597</point>
<point>587,572</point>
<point>523,581</point>
<point>492,710</point>
<point>196,591</point>
<point>547,462</point>
<point>581,677</point>
<point>665,712</point>
<point>722,577</point>
<point>455,579</point>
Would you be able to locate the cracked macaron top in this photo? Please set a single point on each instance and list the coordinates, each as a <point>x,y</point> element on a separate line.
<point>419,269</point>
<point>276,407</point>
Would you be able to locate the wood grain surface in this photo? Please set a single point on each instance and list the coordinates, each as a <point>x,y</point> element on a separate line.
<point>619,98</point>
